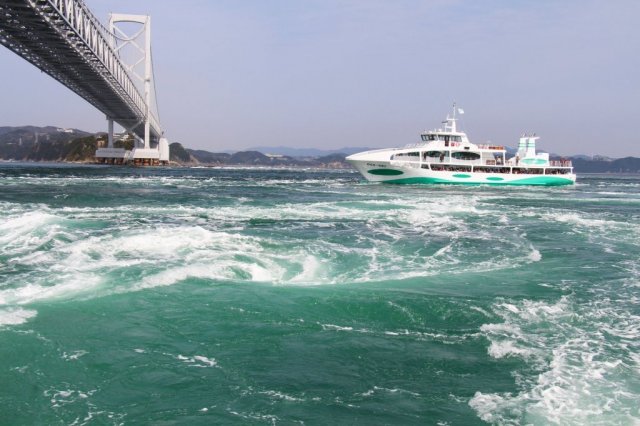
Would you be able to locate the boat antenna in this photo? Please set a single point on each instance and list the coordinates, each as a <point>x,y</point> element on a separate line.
<point>451,121</point>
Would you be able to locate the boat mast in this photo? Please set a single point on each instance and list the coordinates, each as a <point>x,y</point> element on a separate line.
<point>450,125</point>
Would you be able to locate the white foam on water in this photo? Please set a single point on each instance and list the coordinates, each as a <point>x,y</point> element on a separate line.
<point>508,348</point>
<point>260,273</point>
<point>403,309</point>
<point>535,255</point>
<point>575,373</point>
<point>270,418</point>
<point>206,361</point>
<point>310,270</point>
<point>453,258</point>
<point>380,389</point>
<point>406,333</point>
<point>175,275</point>
<point>15,316</point>
<point>570,375</point>
<point>502,329</point>
<point>239,260</point>
<point>282,396</point>
<point>490,408</point>
<point>198,361</point>
<point>24,223</point>
<point>336,327</point>
<point>211,242</point>
<point>62,397</point>
<point>481,310</point>
<point>599,228</point>
<point>429,336</point>
<point>26,232</point>
<point>444,250</point>
<point>577,219</point>
<point>59,288</point>
<point>80,266</point>
<point>74,355</point>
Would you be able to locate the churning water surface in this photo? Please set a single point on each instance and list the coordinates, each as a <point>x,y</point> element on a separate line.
<point>288,296</point>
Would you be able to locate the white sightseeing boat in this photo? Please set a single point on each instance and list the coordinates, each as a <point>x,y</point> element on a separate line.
<point>447,156</point>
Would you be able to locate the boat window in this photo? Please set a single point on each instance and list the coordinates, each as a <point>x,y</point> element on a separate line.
<point>433,138</point>
<point>465,155</point>
<point>407,154</point>
<point>424,137</point>
<point>433,154</point>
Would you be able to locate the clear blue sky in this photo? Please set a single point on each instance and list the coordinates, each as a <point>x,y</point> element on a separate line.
<point>232,74</point>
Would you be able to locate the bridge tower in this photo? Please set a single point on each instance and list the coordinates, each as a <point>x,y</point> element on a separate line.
<point>130,40</point>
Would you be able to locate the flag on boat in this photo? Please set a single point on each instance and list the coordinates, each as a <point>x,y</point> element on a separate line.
<point>460,111</point>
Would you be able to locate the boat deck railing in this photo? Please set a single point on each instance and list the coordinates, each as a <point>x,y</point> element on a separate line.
<point>492,147</point>
<point>400,159</point>
<point>482,166</point>
<point>515,170</point>
<point>560,163</point>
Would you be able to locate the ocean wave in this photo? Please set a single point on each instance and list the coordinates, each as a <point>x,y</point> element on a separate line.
<point>82,252</point>
<point>580,362</point>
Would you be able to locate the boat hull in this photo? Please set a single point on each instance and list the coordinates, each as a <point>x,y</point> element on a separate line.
<point>379,171</point>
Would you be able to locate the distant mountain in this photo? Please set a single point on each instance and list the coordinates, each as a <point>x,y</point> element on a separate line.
<point>47,130</point>
<point>181,155</point>
<point>306,152</point>
<point>582,164</point>
<point>31,143</point>
<point>177,153</point>
<point>620,165</point>
<point>209,157</point>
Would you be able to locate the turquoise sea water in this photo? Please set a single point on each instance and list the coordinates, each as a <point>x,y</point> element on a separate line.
<point>247,296</point>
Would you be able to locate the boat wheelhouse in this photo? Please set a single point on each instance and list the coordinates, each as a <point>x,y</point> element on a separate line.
<point>447,156</point>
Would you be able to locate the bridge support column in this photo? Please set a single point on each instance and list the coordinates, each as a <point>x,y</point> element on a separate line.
<point>110,133</point>
<point>111,155</point>
<point>147,135</point>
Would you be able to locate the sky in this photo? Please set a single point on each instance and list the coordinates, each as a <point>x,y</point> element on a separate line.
<point>236,74</point>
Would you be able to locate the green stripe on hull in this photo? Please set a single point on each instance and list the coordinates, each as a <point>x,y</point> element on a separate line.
<point>385,172</point>
<point>542,180</point>
<point>422,180</point>
<point>538,180</point>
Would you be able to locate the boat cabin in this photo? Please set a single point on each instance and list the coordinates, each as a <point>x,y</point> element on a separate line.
<point>441,137</point>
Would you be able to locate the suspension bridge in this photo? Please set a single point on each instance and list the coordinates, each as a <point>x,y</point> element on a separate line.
<point>111,68</point>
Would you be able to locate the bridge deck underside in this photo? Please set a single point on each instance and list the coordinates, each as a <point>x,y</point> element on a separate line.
<point>42,37</point>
